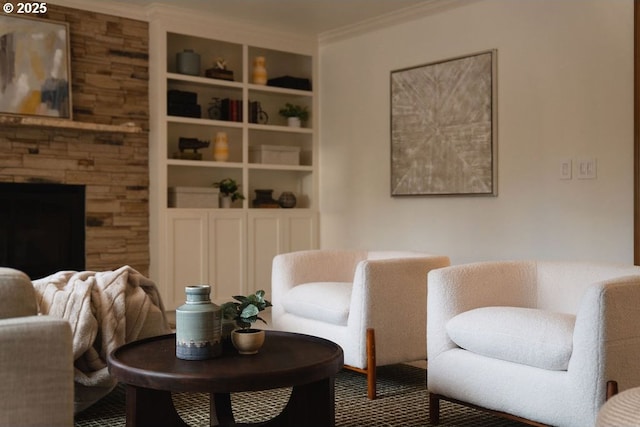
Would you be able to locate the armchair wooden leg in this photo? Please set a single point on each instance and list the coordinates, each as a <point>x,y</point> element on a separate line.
<point>434,409</point>
<point>612,389</point>
<point>370,370</point>
<point>371,364</point>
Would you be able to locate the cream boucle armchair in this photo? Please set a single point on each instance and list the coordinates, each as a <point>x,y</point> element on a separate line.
<point>536,340</point>
<point>372,304</point>
<point>36,361</point>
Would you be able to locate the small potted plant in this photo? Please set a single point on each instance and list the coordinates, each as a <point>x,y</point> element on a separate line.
<point>244,312</point>
<point>295,114</point>
<point>229,192</point>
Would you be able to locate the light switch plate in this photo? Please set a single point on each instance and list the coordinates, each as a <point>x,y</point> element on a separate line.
<point>565,169</point>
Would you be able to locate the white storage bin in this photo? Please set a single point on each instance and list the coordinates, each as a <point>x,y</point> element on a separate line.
<point>275,155</point>
<point>193,197</point>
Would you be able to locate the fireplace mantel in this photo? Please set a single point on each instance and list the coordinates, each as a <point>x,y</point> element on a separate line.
<point>46,122</point>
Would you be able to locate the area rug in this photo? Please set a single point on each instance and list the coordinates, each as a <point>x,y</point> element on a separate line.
<point>402,401</point>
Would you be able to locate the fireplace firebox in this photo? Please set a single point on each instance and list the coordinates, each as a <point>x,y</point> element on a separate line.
<point>42,227</point>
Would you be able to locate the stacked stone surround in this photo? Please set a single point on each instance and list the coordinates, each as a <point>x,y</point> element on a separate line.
<point>109,75</point>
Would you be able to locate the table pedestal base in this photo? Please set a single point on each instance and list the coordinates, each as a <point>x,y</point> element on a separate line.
<point>309,405</point>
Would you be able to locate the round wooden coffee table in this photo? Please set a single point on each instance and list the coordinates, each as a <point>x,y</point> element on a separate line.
<point>151,371</point>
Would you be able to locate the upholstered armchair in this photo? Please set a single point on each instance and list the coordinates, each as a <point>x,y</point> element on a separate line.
<point>372,304</point>
<point>539,341</point>
<point>36,360</point>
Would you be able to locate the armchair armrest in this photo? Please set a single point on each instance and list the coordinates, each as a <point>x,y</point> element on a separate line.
<point>460,288</point>
<point>606,339</point>
<point>390,295</point>
<point>36,367</point>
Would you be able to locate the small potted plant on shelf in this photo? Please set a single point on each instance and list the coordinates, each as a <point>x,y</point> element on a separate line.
<point>229,192</point>
<point>295,114</point>
<point>244,312</point>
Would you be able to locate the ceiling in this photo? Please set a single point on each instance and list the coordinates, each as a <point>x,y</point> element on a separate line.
<point>309,17</point>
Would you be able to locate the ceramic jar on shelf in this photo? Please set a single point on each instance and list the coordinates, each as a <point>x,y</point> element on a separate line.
<point>259,71</point>
<point>287,200</point>
<point>221,147</point>
<point>188,62</point>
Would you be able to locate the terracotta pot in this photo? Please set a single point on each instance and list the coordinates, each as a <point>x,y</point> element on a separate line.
<point>247,341</point>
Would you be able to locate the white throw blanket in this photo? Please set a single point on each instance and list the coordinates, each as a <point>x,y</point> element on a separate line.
<point>106,310</point>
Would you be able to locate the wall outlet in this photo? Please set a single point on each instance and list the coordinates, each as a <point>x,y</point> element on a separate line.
<point>587,168</point>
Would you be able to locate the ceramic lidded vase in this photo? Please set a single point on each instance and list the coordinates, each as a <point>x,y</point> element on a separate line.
<point>198,325</point>
<point>188,62</point>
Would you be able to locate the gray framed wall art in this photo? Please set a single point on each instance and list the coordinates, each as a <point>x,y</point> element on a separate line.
<point>35,72</point>
<point>444,127</point>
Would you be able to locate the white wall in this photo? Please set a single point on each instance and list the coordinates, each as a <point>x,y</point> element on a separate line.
<point>565,90</point>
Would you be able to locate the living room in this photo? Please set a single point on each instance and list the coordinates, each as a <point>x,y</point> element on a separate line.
<point>565,92</point>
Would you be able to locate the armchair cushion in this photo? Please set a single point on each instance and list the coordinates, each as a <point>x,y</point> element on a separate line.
<point>527,336</point>
<point>324,301</point>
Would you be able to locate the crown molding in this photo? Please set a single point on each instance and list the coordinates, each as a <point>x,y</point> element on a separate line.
<point>192,21</point>
<point>187,21</point>
<point>407,14</point>
<point>115,8</point>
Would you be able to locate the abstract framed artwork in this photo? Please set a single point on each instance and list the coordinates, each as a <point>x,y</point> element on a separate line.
<point>34,67</point>
<point>444,127</point>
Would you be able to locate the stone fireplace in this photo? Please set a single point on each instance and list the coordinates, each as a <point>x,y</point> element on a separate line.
<point>109,75</point>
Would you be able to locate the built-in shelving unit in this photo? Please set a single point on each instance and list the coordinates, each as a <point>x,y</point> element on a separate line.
<point>225,106</point>
<point>231,249</point>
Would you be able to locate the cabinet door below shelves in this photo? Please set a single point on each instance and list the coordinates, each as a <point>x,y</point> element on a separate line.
<point>302,231</point>
<point>270,235</point>
<point>266,241</point>
<point>227,255</point>
<point>186,254</point>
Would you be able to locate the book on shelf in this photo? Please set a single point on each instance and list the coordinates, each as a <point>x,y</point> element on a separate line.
<point>231,110</point>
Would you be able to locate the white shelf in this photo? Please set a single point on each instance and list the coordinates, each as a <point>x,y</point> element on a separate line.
<point>205,81</point>
<point>203,164</point>
<point>257,166</point>
<point>204,122</point>
<point>294,168</point>
<point>278,128</point>
<point>279,90</point>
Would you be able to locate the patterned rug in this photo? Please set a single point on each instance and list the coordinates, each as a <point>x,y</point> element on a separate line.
<point>402,401</point>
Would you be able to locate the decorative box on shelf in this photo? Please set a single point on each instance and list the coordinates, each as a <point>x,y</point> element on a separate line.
<point>275,155</point>
<point>193,197</point>
<point>217,73</point>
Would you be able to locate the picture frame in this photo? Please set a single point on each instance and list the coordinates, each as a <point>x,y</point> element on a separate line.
<point>444,127</point>
<point>35,68</point>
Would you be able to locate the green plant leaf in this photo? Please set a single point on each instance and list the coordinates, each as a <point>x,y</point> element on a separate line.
<point>249,311</point>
